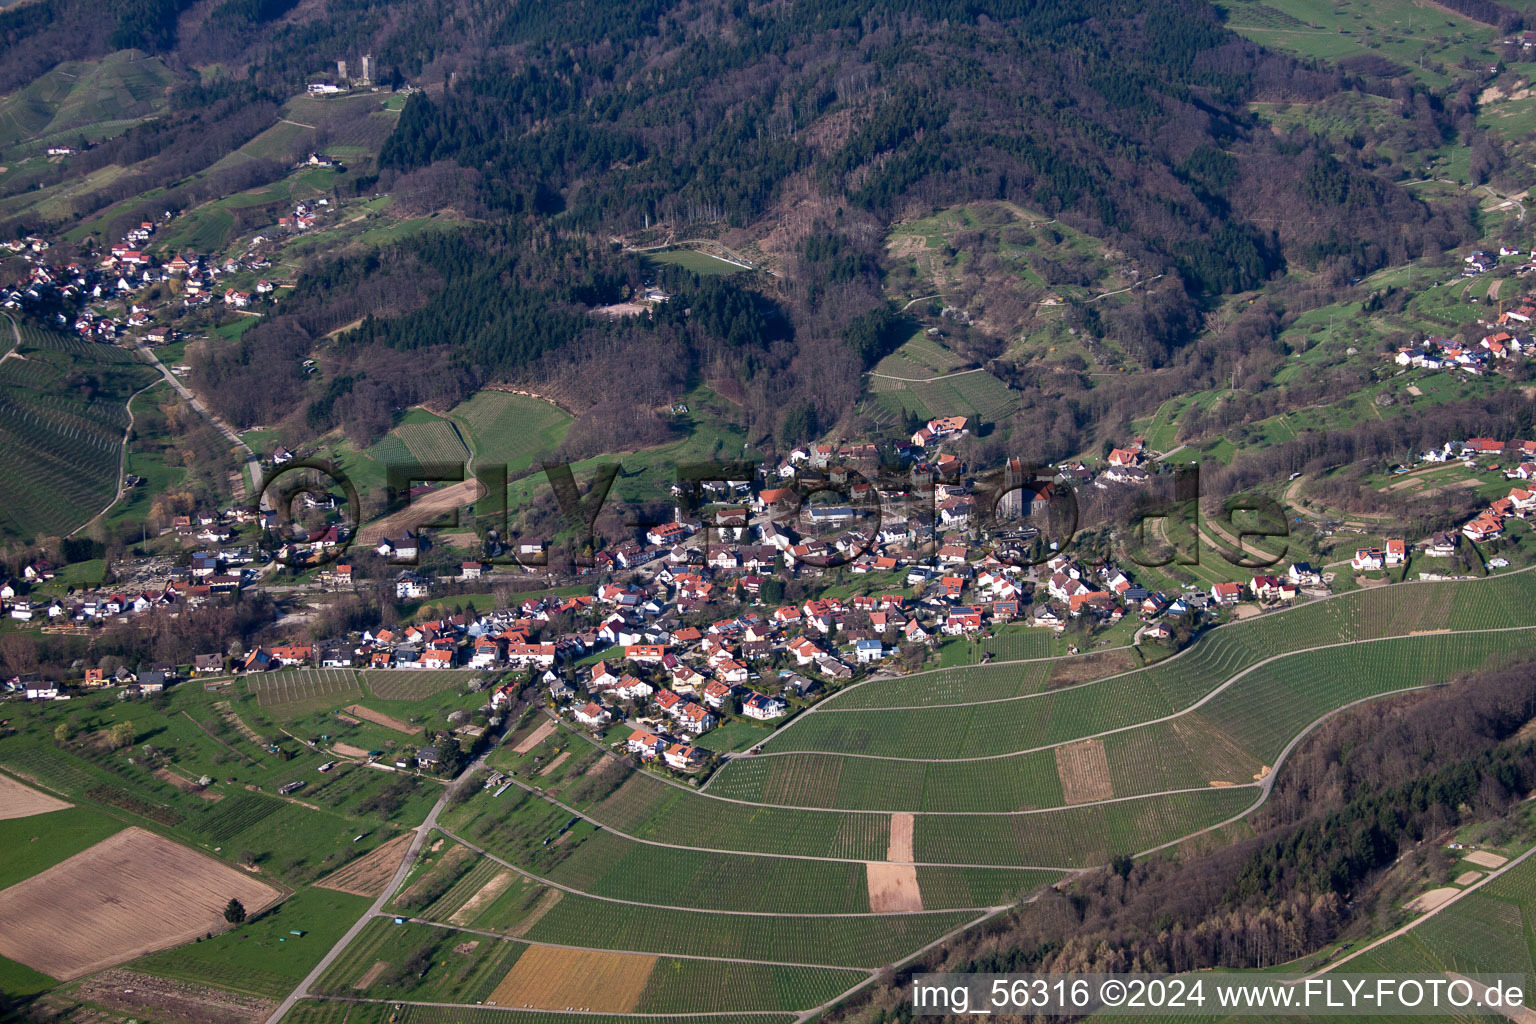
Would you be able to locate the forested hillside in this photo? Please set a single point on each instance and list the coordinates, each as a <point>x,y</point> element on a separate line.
<point>811,127</point>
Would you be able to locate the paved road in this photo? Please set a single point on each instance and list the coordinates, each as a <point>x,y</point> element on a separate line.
<point>253,465</point>
<point>377,908</point>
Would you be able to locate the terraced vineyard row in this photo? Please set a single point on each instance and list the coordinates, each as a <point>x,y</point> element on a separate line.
<point>982,730</point>
<point>314,1011</point>
<point>1073,836</point>
<point>599,862</point>
<point>833,941</point>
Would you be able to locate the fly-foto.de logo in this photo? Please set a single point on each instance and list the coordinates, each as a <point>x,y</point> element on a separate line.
<point>825,516</point>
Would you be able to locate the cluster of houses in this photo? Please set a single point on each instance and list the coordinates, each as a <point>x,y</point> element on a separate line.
<point>146,682</point>
<point>1509,340</point>
<point>210,576</point>
<point>1489,522</point>
<point>126,270</point>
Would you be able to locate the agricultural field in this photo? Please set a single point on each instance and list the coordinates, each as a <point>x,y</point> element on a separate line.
<point>970,393</point>
<point>293,692</point>
<point>1430,43</point>
<point>417,685</point>
<point>263,957</point>
<point>692,259</point>
<point>510,430</point>
<point>92,98</point>
<point>117,909</point>
<point>19,801</point>
<point>59,452</point>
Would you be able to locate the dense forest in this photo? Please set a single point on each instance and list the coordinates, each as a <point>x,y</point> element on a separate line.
<point>810,128</point>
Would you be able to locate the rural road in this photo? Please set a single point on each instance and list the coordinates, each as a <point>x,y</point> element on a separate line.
<point>252,463</point>
<point>925,380</point>
<point>122,460</point>
<point>377,908</point>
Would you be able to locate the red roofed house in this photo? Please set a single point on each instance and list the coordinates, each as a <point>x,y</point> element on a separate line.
<point>1368,559</point>
<point>648,654</point>
<point>1227,593</point>
<point>683,758</point>
<point>647,744</point>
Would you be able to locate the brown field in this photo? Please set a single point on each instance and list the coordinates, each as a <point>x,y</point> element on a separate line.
<point>348,750</point>
<point>1083,667</point>
<point>1084,772</point>
<point>187,785</point>
<point>1430,900</point>
<point>429,507</point>
<point>19,801</point>
<point>550,978</point>
<point>370,873</point>
<point>174,1002</point>
<point>900,847</point>
<point>372,974</point>
<point>545,904</point>
<point>892,887</point>
<point>1484,859</point>
<point>379,718</point>
<point>114,897</point>
<point>556,763</point>
<point>536,737</point>
<point>483,898</point>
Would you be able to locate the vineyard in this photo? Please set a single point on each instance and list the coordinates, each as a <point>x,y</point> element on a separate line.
<point>466,968</point>
<point>417,685</point>
<point>233,815</point>
<point>290,693</point>
<point>510,430</point>
<point>60,450</point>
<point>421,439</point>
<point>608,890</point>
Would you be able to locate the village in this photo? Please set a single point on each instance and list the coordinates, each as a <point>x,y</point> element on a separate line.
<point>129,294</point>
<point>644,658</point>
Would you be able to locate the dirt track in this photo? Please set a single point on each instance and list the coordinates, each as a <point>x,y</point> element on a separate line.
<point>534,738</point>
<point>379,718</point>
